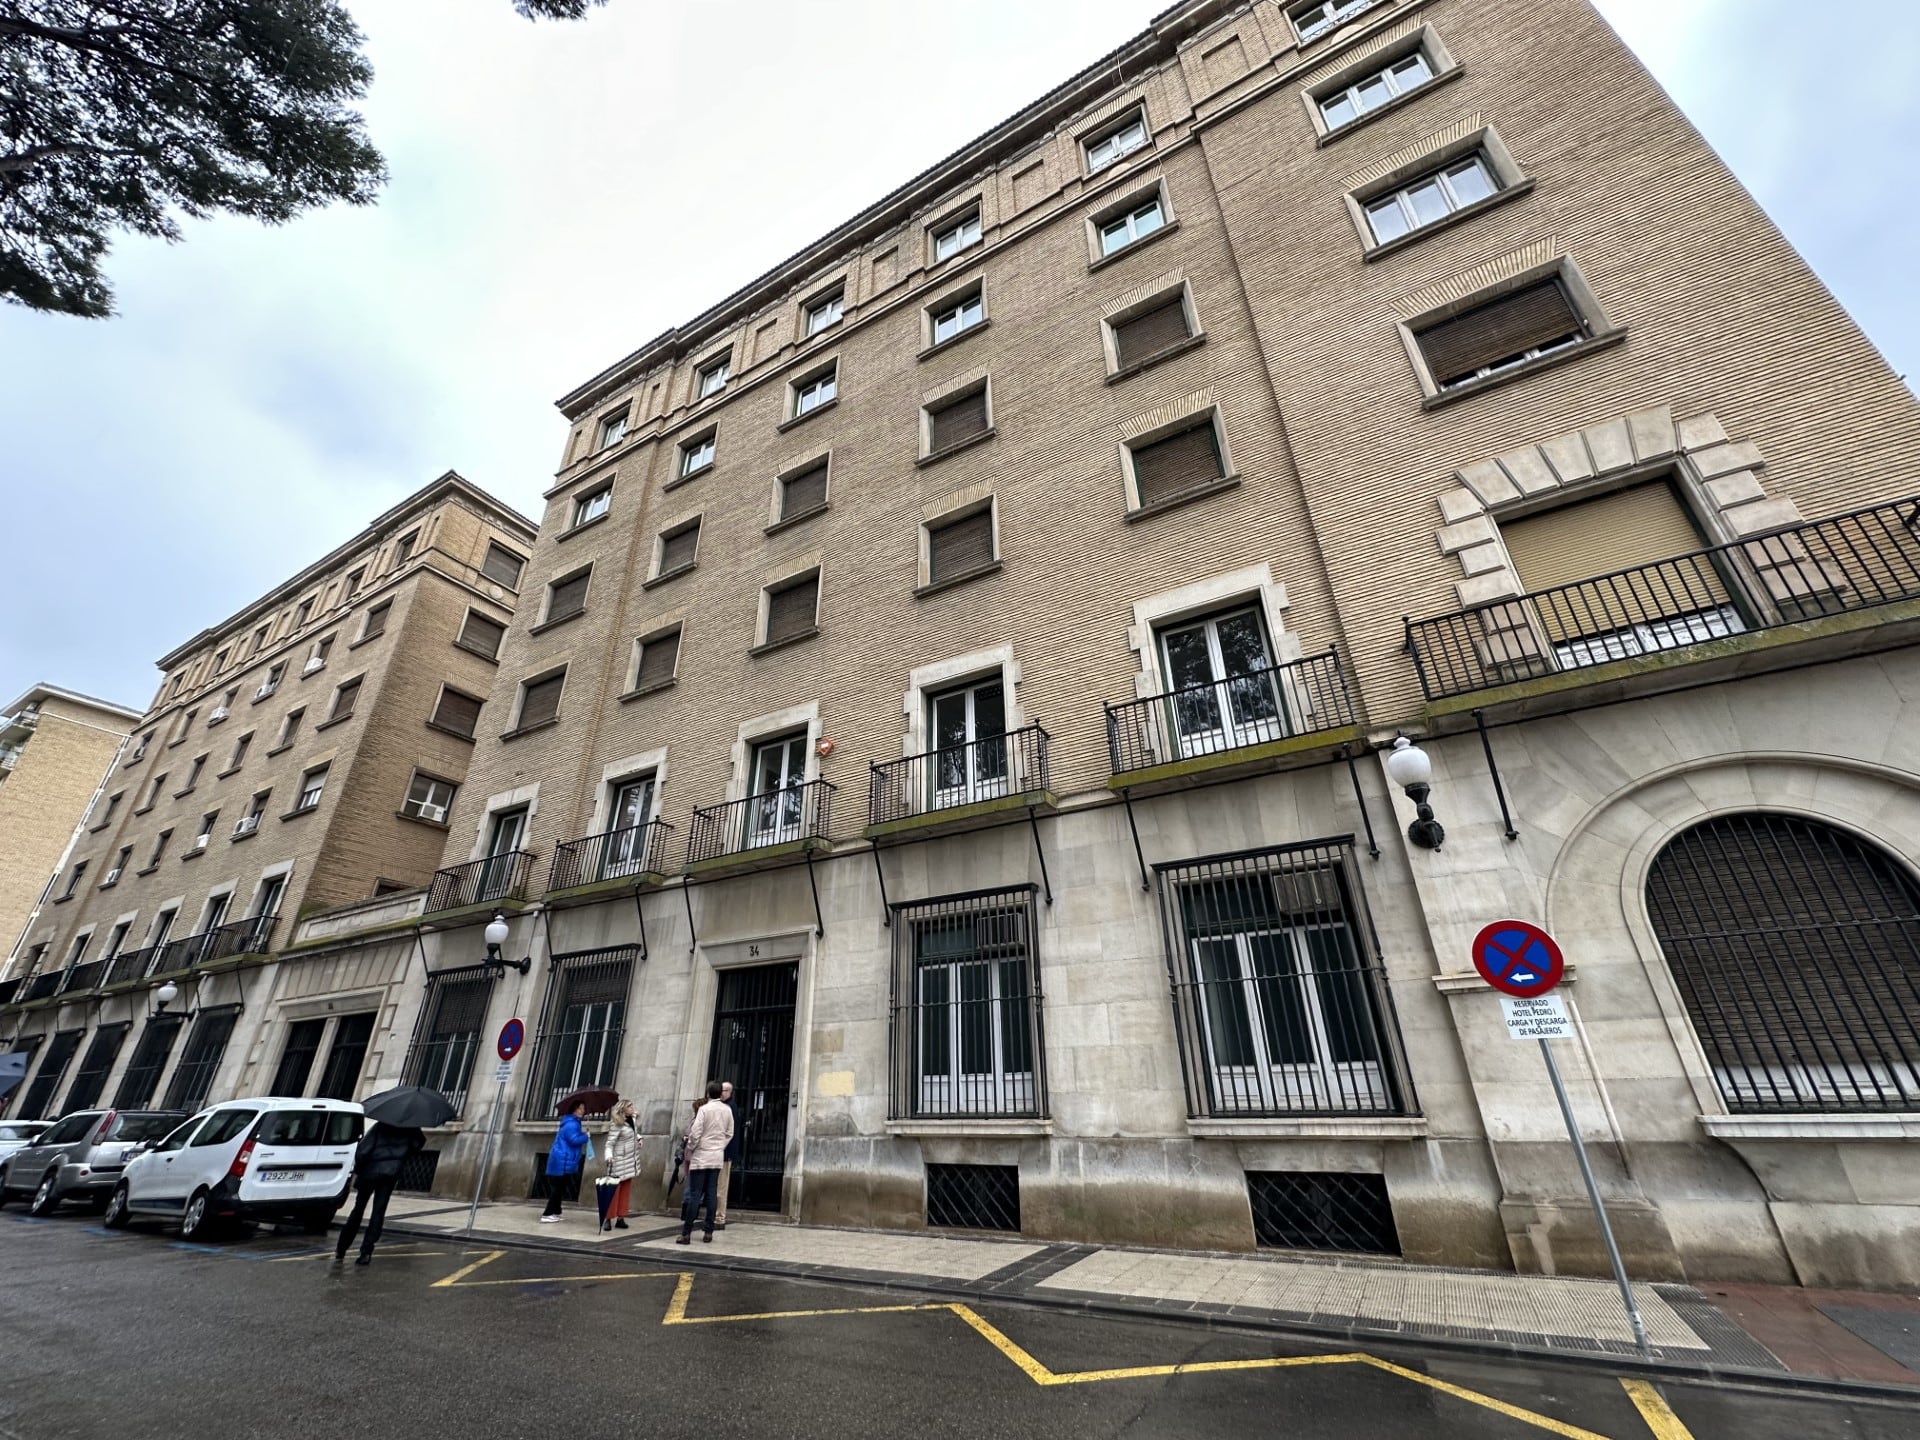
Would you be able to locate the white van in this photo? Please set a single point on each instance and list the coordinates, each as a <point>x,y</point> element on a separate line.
<point>264,1159</point>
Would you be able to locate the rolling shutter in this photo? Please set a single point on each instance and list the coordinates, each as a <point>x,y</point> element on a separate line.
<point>657,658</point>
<point>959,546</point>
<point>958,422</point>
<point>1150,332</point>
<point>1179,462</point>
<point>677,549</point>
<point>569,597</point>
<point>456,712</point>
<point>377,620</point>
<point>804,492</point>
<point>502,566</point>
<point>481,634</point>
<point>542,700</point>
<point>1538,315</point>
<point>791,611</point>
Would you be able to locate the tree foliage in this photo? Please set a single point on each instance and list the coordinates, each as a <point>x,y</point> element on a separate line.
<point>123,115</point>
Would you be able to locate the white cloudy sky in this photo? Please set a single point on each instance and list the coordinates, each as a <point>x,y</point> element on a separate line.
<point>561,193</point>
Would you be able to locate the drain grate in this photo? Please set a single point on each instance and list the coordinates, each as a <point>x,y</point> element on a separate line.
<point>1322,1210</point>
<point>974,1197</point>
<point>417,1170</point>
<point>569,1185</point>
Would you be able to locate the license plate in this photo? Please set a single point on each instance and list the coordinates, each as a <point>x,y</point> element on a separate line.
<point>281,1177</point>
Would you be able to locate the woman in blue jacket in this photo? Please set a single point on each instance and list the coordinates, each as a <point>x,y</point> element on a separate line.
<point>568,1154</point>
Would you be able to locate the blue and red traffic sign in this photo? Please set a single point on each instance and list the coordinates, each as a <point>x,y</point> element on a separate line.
<point>513,1035</point>
<point>1518,958</point>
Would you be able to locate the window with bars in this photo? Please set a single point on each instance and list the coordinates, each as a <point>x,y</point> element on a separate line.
<point>1169,467</point>
<point>1144,334</point>
<point>206,1044</point>
<point>582,1021</point>
<point>481,635</point>
<point>1795,947</point>
<point>959,546</point>
<point>659,655</point>
<point>1501,334</point>
<point>567,597</point>
<point>447,1036</point>
<point>792,610</point>
<point>37,1103</point>
<point>502,566</point>
<point>340,1076</point>
<point>966,1034</point>
<point>677,550</point>
<point>540,700</point>
<point>804,492</point>
<point>142,1075</point>
<point>1280,998</point>
<point>91,1077</point>
<point>302,1047</point>
<point>456,712</point>
<point>956,420</point>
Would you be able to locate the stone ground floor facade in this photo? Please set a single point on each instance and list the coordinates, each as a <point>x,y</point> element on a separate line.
<point>1248,1030</point>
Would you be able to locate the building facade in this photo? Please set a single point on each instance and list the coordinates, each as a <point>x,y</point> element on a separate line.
<point>299,756</point>
<point>54,747</point>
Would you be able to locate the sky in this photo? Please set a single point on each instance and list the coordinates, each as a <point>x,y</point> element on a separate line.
<point>561,193</point>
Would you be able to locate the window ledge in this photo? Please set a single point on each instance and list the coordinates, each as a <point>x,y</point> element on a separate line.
<point>983,1126</point>
<point>443,729</point>
<point>236,839</point>
<point>1180,348</point>
<point>175,744</point>
<point>259,699</point>
<point>1605,340</point>
<point>556,622</point>
<point>770,645</point>
<point>365,640</point>
<point>182,794</point>
<point>936,456</point>
<point>148,871</point>
<point>143,809</point>
<point>1371,253</point>
<point>103,885</point>
<point>934,587</point>
<point>665,575</point>
<point>96,829</point>
<point>493,659</point>
<point>600,519</point>
<point>1327,1127</point>
<point>1328,137</point>
<point>530,729</point>
<point>295,814</point>
<point>65,898</point>
<point>687,479</point>
<point>193,853</point>
<point>306,674</point>
<point>1846,1126</point>
<point>1134,248</point>
<point>226,774</point>
<point>639,690</point>
<point>422,820</point>
<point>786,425</point>
<point>939,346</point>
<point>787,520</point>
<point>331,721</point>
<point>1184,497</point>
<point>279,749</point>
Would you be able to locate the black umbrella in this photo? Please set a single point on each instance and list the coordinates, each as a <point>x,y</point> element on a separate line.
<point>13,1069</point>
<point>597,1098</point>
<point>408,1107</point>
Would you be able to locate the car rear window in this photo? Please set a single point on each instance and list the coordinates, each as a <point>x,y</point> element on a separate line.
<point>21,1132</point>
<point>309,1127</point>
<point>74,1127</point>
<point>143,1127</point>
<point>224,1125</point>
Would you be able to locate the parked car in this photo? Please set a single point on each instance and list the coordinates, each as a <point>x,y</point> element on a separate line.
<point>270,1159</point>
<point>16,1133</point>
<point>81,1156</point>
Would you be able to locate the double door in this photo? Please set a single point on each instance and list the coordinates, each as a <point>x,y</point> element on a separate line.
<point>776,813</point>
<point>970,745</point>
<point>1221,684</point>
<point>753,1048</point>
<point>503,851</point>
<point>626,852</point>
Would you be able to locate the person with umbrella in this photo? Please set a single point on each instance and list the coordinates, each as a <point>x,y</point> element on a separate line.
<point>398,1116</point>
<point>571,1148</point>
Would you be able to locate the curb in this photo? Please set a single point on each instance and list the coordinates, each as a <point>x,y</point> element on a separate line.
<point>1730,1376</point>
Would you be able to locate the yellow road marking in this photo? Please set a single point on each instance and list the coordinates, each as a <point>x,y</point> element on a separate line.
<point>677,1309</point>
<point>459,1277</point>
<point>466,1270</point>
<point>1654,1409</point>
<point>397,1252</point>
<point>1558,1427</point>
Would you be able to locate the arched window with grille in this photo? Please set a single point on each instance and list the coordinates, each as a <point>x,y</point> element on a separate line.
<point>1796,949</point>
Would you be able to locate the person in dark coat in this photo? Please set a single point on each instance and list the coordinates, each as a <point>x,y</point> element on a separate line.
<point>383,1150</point>
<point>568,1154</point>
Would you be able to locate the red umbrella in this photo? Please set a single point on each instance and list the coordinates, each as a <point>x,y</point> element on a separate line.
<point>597,1098</point>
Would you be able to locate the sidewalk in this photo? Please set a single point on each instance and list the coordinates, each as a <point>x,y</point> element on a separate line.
<point>1756,1329</point>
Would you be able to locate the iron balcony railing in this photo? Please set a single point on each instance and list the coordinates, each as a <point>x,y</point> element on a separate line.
<point>497,877</point>
<point>616,855</point>
<point>84,977</point>
<point>795,812</point>
<point>1847,563</point>
<point>41,986</point>
<point>131,965</point>
<point>989,768</point>
<point>223,942</point>
<point>8,989</point>
<point>1301,697</point>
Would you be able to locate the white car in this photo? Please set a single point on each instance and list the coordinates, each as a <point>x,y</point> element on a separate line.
<point>263,1159</point>
<point>18,1134</point>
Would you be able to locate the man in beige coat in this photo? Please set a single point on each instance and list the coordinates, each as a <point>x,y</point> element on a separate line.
<point>707,1141</point>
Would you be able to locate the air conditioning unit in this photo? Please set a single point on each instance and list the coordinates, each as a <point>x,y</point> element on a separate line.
<point>435,813</point>
<point>199,844</point>
<point>246,825</point>
<point>265,690</point>
<point>219,714</point>
<point>314,663</point>
<point>113,875</point>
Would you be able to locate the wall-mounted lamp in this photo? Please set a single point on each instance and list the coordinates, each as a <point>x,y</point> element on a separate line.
<point>1410,769</point>
<point>163,997</point>
<point>496,933</point>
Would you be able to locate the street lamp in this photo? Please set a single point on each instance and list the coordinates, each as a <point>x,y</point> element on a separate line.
<point>165,996</point>
<point>496,933</point>
<point>1410,769</point>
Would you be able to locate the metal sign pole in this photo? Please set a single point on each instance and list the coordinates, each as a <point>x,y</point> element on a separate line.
<point>1599,1210</point>
<point>486,1155</point>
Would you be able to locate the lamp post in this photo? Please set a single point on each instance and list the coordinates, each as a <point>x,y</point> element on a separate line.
<point>1409,767</point>
<point>496,933</point>
<point>165,996</point>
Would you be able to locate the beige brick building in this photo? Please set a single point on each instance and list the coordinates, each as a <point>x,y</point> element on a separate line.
<point>299,756</point>
<point>951,694</point>
<point>54,747</point>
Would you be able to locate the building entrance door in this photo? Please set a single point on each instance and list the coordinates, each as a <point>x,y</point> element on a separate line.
<point>753,1047</point>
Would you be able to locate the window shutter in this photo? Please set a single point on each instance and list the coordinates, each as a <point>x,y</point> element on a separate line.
<point>481,634</point>
<point>542,701</point>
<point>1147,334</point>
<point>456,712</point>
<point>960,546</point>
<point>804,492</point>
<point>502,566</point>
<point>959,421</point>
<point>657,657</point>
<point>1509,326</point>
<point>1179,462</point>
<point>791,611</point>
<point>377,620</point>
<point>569,597</point>
<point>344,698</point>
<point>677,549</point>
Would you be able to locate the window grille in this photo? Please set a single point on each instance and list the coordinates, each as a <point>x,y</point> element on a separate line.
<point>206,1043</point>
<point>1796,950</point>
<point>957,421</point>
<point>91,1077</point>
<point>297,1056</point>
<point>1164,468</point>
<point>974,1197</point>
<point>1320,1210</point>
<point>36,1104</point>
<point>1281,1004</point>
<point>582,1021</point>
<point>967,1036</point>
<point>959,546</point>
<point>340,1076</point>
<point>1147,334</point>
<point>150,1056</point>
<point>446,1037</point>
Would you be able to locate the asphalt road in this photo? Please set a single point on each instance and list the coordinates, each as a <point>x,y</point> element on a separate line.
<point>117,1334</point>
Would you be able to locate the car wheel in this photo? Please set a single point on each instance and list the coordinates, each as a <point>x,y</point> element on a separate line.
<point>46,1199</point>
<point>118,1210</point>
<point>195,1222</point>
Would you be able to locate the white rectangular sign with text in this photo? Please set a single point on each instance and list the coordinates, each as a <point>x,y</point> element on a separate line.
<point>1541,1017</point>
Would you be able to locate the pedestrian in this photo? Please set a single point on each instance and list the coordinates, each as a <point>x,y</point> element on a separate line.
<point>377,1161</point>
<point>567,1155</point>
<point>706,1143</point>
<point>680,1148</point>
<point>623,1162</point>
<point>732,1153</point>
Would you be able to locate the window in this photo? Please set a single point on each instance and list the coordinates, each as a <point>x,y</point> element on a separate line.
<point>344,698</point>
<point>1501,335</point>
<point>113,804</point>
<point>259,641</point>
<point>317,660</point>
<point>1173,465</point>
<point>960,546</point>
<point>592,505</point>
<point>296,1057</point>
<point>502,566</point>
<point>289,728</point>
<point>817,390</point>
<point>956,420</point>
<point>375,623</point>
<point>140,750</point>
<point>256,808</point>
<point>968,728</point>
<point>1431,198</point>
<point>340,1076</point>
<point>239,755</point>
<point>78,950</point>
<point>677,550</point>
<point>1348,103</point>
<point>74,877</point>
<point>355,578</point>
<point>777,771</point>
<point>118,868</point>
<point>53,1069</point>
<point>956,317</point>
<point>1312,21</point>
<point>205,832</point>
<point>225,707</point>
<point>91,1077</point>
<point>613,428</point>
<point>272,683</point>
<point>159,848</point>
<point>1278,998</point>
<point>403,548</point>
<point>712,378</point>
<point>142,1076</point>
<point>656,657</point>
<point>1141,335</point>
<point>312,785</point>
<point>1140,219</point>
<point>162,928</point>
<point>803,492</point>
<point>447,1037</point>
<point>581,1024</point>
<point>303,613</point>
<point>185,724</point>
<point>457,712</point>
<point>567,597</point>
<point>481,635</point>
<point>540,700</point>
<point>153,793</point>
<point>826,311</point>
<point>956,236</point>
<point>428,798</point>
<point>193,774</point>
<point>193,1078</point>
<point>967,1042</point>
<point>118,935</point>
<point>1117,142</point>
<point>792,610</point>
<point>697,455</point>
<point>219,662</point>
<point>1221,684</point>
<point>630,809</point>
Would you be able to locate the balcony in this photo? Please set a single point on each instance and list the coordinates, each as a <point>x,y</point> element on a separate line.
<point>1823,588</point>
<point>223,942</point>
<point>1300,710</point>
<point>9,989</point>
<point>744,834</point>
<point>959,786</point>
<point>82,978</point>
<point>618,859</point>
<point>495,880</point>
<point>41,986</point>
